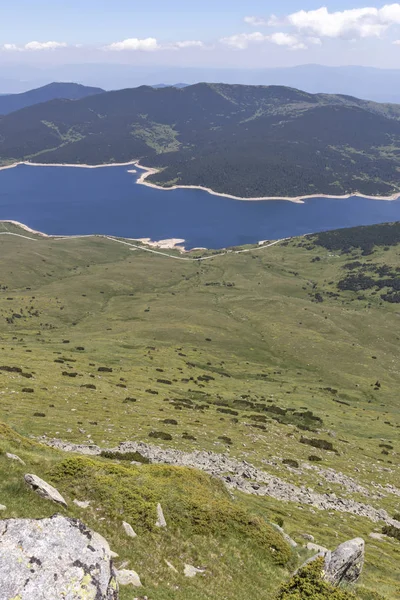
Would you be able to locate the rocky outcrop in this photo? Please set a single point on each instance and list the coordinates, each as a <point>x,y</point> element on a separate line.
<point>317,548</point>
<point>14,457</point>
<point>191,571</point>
<point>44,489</point>
<point>285,536</point>
<point>240,475</point>
<point>125,577</point>
<point>54,558</point>
<point>128,529</point>
<point>82,503</point>
<point>345,564</point>
<point>161,522</point>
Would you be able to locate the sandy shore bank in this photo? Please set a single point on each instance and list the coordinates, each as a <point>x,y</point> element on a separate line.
<point>80,166</point>
<point>24,227</point>
<point>297,199</point>
<point>170,244</point>
<point>151,171</point>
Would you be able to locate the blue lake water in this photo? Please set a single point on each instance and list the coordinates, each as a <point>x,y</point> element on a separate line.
<point>70,201</point>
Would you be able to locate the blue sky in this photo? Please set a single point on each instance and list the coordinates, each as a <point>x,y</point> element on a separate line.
<point>201,33</point>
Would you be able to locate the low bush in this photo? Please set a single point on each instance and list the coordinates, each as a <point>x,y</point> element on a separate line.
<point>160,435</point>
<point>392,531</point>
<point>193,502</point>
<point>129,456</point>
<point>308,583</point>
<point>316,443</point>
<point>291,463</point>
<point>314,458</point>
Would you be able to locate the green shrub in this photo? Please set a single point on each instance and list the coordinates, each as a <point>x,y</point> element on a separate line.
<point>308,584</point>
<point>193,502</point>
<point>316,443</point>
<point>314,458</point>
<point>291,463</point>
<point>392,531</point>
<point>130,456</point>
<point>160,435</point>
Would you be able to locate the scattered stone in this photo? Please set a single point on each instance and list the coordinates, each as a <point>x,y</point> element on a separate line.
<point>125,577</point>
<point>377,536</point>
<point>239,475</point>
<point>285,536</point>
<point>190,571</point>
<point>161,522</point>
<point>45,556</point>
<point>14,457</point>
<point>345,564</point>
<point>113,554</point>
<point>128,529</point>
<point>2,507</point>
<point>171,566</point>
<point>316,548</point>
<point>82,504</point>
<point>307,536</point>
<point>44,489</point>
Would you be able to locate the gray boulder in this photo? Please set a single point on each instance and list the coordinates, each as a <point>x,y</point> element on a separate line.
<point>82,503</point>
<point>126,577</point>
<point>128,529</point>
<point>285,536</point>
<point>44,489</point>
<point>317,548</point>
<point>191,571</point>
<point>345,564</point>
<point>14,457</point>
<point>54,558</point>
<point>161,522</point>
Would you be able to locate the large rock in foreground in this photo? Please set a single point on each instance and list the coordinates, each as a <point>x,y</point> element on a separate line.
<point>54,558</point>
<point>345,564</point>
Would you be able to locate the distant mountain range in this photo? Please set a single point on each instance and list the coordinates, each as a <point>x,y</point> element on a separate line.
<point>70,91</point>
<point>248,141</point>
<point>175,85</point>
<point>380,85</point>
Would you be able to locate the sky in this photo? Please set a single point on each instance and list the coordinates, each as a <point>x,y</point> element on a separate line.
<point>194,33</point>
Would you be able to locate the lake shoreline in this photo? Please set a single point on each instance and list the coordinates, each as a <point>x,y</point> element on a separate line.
<point>142,180</point>
<point>167,244</point>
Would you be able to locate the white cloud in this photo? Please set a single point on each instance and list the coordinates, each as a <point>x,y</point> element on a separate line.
<point>242,41</point>
<point>350,24</point>
<point>285,39</point>
<point>396,42</point>
<point>44,45</point>
<point>255,21</point>
<point>33,46</point>
<point>10,48</point>
<point>145,45</point>
<point>151,45</point>
<point>188,44</point>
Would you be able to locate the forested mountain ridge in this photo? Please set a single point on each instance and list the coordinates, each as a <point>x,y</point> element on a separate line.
<point>72,91</point>
<point>248,141</point>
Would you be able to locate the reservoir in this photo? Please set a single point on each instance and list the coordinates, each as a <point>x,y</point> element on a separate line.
<point>79,201</point>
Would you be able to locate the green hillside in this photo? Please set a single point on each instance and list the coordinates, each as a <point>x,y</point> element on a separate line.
<point>248,141</point>
<point>264,356</point>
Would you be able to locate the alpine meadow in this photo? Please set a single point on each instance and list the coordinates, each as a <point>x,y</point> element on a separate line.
<point>199,300</point>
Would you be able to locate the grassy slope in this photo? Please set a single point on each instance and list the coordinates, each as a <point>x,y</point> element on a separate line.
<point>137,312</point>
